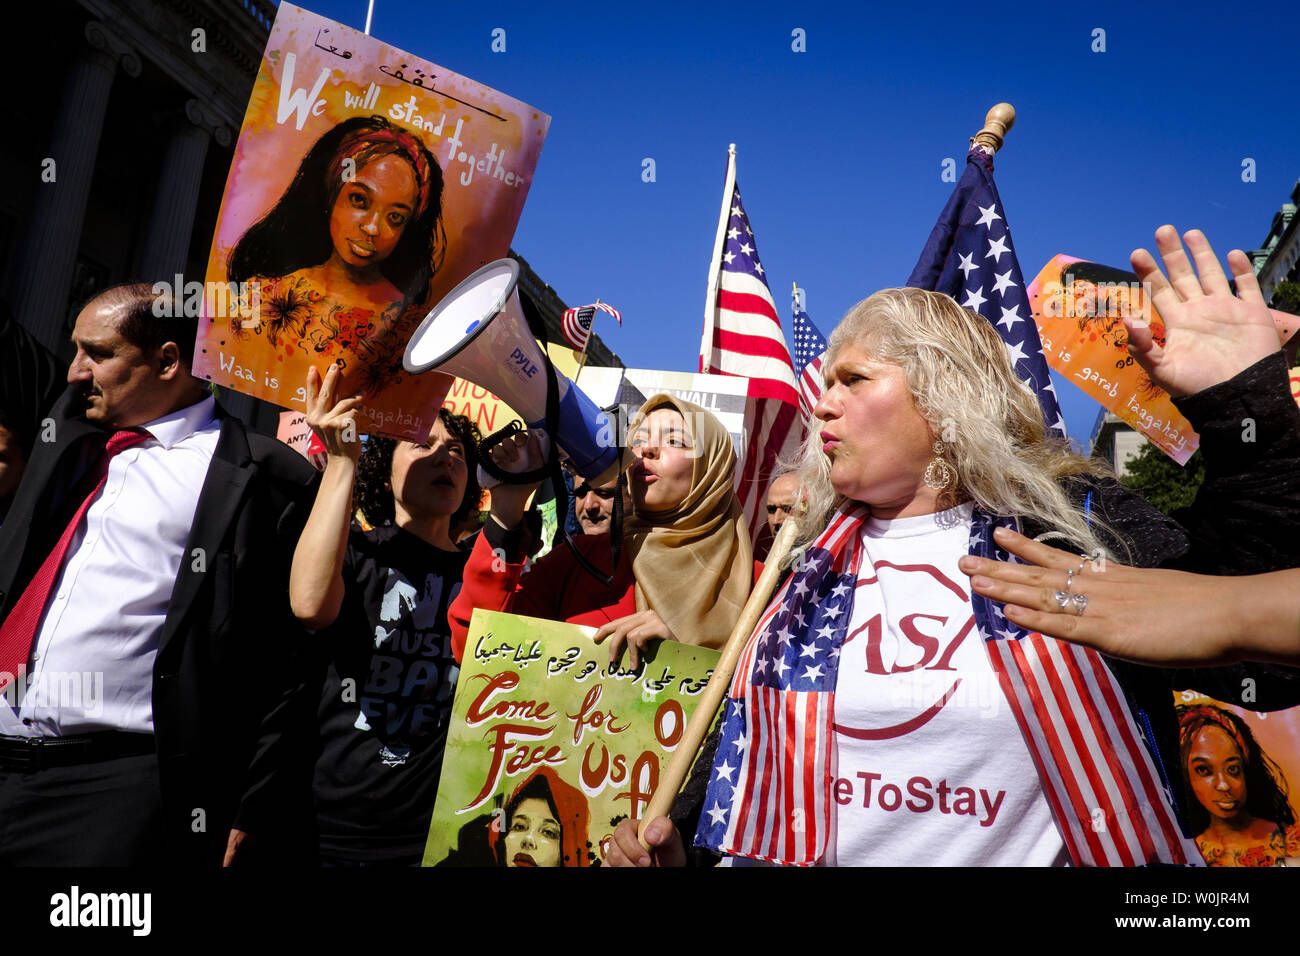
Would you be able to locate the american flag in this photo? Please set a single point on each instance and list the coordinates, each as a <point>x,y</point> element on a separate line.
<point>770,789</point>
<point>777,711</point>
<point>317,453</point>
<point>742,336</point>
<point>1099,779</point>
<point>809,347</point>
<point>969,256</point>
<point>576,323</point>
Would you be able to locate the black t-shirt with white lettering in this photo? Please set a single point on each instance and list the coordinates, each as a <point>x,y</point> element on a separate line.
<point>387,697</point>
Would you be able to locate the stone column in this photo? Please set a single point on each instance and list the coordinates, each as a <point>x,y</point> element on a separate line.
<point>167,243</point>
<point>59,210</point>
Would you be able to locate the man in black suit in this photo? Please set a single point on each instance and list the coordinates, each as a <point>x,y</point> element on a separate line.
<point>154,689</point>
<point>30,381</point>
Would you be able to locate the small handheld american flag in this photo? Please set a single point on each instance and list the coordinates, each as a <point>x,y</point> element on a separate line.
<point>577,322</point>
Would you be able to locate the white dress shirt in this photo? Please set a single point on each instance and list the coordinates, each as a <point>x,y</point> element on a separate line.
<point>92,662</point>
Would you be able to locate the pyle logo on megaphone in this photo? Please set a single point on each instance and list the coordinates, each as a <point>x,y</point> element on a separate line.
<point>522,364</point>
<point>479,333</point>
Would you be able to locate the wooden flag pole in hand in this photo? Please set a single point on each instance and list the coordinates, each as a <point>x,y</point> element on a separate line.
<point>697,728</point>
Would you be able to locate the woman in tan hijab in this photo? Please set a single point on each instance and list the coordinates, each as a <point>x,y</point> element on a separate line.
<point>686,567</point>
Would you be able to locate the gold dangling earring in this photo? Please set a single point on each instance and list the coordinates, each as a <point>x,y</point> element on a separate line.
<point>938,474</point>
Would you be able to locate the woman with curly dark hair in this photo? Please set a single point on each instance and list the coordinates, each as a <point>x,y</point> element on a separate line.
<point>343,261</point>
<point>380,599</point>
<point>1239,802</point>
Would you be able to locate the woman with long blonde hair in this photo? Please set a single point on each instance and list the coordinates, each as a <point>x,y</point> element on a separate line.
<point>881,712</point>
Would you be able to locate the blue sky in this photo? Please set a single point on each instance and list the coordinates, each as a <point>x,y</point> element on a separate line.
<point>840,148</point>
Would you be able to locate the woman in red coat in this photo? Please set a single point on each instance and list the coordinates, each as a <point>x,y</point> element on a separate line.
<point>686,567</point>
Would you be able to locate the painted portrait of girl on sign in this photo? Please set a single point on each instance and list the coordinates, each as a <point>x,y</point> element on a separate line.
<point>543,824</point>
<point>1079,308</point>
<point>1239,806</point>
<point>341,266</point>
<point>365,184</point>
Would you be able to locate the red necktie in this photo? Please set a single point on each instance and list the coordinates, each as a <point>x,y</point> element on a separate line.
<point>20,627</point>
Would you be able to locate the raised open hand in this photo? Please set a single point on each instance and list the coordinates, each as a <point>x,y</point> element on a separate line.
<point>1210,334</point>
<point>334,420</point>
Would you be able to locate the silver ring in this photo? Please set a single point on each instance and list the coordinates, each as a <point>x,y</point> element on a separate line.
<point>1069,578</point>
<point>1078,604</point>
<point>1062,599</point>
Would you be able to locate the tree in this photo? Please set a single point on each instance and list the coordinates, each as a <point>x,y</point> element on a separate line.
<point>1162,481</point>
<point>1286,297</point>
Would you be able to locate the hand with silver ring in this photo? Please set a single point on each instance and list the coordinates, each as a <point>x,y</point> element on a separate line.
<point>1151,616</point>
<point>1069,601</point>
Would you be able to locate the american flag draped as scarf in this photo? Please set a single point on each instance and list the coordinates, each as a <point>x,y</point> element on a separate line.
<point>769,796</point>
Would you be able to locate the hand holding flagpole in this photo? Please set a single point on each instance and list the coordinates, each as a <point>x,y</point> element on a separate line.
<point>697,728</point>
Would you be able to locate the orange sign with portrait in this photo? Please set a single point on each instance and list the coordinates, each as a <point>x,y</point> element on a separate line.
<point>365,185</point>
<point>1078,307</point>
<point>1235,776</point>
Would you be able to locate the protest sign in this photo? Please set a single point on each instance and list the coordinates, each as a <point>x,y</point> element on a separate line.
<point>489,413</point>
<point>551,746</point>
<point>601,384</point>
<point>1234,769</point>
<point>1078,307</point>
<point>366,183</point>
<point>294,431</point>
<point>723,395</point>
<point>479,405</point>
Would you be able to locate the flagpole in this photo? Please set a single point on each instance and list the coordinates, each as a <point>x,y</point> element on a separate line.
<point>715,268</point>
<point>706,708</point>
<point>582,358</point>
<point>370,12</point>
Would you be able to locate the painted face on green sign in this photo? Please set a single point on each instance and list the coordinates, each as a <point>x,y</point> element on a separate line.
<point>533,837</point>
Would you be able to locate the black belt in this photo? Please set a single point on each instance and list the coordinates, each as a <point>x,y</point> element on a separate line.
<point>28,754</point>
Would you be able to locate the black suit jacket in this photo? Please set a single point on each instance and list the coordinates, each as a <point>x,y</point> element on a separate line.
<point>231,706</point>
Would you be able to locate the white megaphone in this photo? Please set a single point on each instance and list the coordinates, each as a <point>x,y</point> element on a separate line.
<point>478,332</point>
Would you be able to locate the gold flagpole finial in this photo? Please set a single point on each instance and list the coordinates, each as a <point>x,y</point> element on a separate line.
<point>996,123</point>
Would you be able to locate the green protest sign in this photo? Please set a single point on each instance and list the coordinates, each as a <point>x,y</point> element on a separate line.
<point>551,746</point>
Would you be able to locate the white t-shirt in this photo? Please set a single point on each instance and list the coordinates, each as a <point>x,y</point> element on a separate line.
<point>932,767</point>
